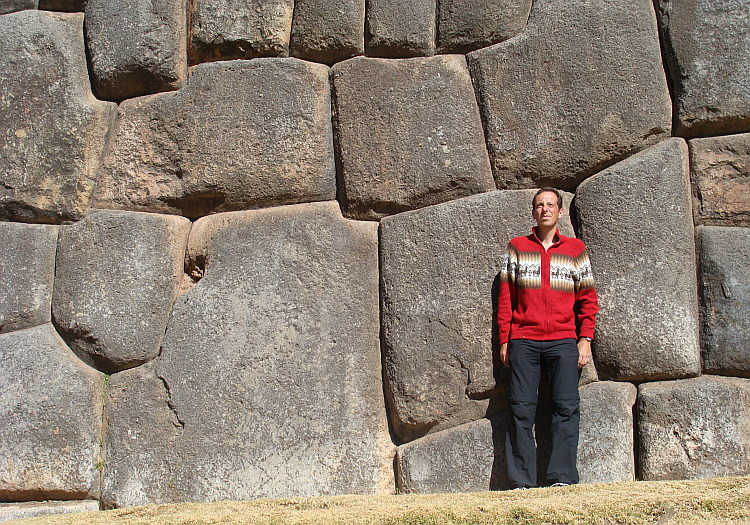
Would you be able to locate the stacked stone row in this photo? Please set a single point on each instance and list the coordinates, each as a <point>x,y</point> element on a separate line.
<point>263,277</point>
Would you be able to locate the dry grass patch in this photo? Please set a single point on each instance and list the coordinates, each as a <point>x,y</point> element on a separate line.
<point>715,501</point>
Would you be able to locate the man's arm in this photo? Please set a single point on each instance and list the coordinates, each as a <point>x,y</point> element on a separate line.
<point>505,300</point>
<point>587,306</point>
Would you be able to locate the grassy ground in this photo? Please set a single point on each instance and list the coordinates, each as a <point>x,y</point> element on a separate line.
<point>724,500</point>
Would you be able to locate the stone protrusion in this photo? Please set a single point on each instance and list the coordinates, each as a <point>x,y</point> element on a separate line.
<point>269,380</point>
<point>117,276</point>
<point>707,44</point>
<point>227,29</point>
<point>241,134</point>
<point>408,134</point>
<point>18,511</point>
<point>51,415</point>
<point>328,31</point>
<point>694,428</point>
<point>720,169</point>
<point>438,307</point>
<point>636,220</point>
<point>53,129</point>
<point>400,28</point>
<point>136,48</point>
<point>467,25</point>
<point>27,274</point>
<point>724,266</point>
<point>581,88</point>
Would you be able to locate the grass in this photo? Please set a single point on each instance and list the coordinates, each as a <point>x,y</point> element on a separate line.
<point>715,501</point>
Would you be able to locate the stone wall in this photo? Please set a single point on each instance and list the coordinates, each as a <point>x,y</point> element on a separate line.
<point>251,249</point>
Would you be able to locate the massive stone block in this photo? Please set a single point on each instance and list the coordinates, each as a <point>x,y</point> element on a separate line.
<point>408,134</point>
<point>51,415</point>
<point>52,130</point>
<point>724,264</point>
<point>720,170</point>
<point>241,134</point>
<point>10,6</point>
<point>471,457</point>
<point>439,268</point>
<point>136,48</point>
<point>269,379</point>
<point>17,511</point>
<point>400,28</point>
<point>467,25</point>
<point>605,445</point>
<point>636,221</point>
<point>707,46</point>
<point>579,89</point>
<point>27,273</point>
<point>328,31</point>
<point>117,276</point>
<point>694,428</point>
<point>226,29</point>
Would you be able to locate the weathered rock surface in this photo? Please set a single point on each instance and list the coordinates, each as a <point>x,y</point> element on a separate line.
<point>694,428</point>
<point>27,273</point>
<point>52,130</point>
<point>400,28</point>
<point>269,379</point>
<point>136,48</point>
<point>438,307</point>
<point>707,46</point>
<point>471,457</point>
<point>636,221</point>
<point>721,180</point>
<point>117,276</point>
<point>467,25</point>
<point>241,134</point>
<point>328,31</point>
<point>605,444</point>
<point>579,89</point>
<point>408,134</point>
<point>18,511</point>
<point>724,266</point>
<point>10,6</point>
<point>52,414</point>
<point>226,29</point>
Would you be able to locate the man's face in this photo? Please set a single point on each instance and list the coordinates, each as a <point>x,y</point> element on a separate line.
<point>546,211</point>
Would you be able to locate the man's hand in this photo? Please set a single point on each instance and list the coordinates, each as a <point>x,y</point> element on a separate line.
<point>584,352</point>
<point>504,355</point>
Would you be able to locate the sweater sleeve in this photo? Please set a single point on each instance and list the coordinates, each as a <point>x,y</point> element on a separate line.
<point>587,302</point>
<point>506,296</point>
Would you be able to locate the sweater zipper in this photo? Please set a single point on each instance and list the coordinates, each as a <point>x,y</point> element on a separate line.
<point>546,287</point>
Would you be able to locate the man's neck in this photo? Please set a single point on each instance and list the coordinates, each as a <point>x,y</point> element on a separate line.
<point>547,236</point>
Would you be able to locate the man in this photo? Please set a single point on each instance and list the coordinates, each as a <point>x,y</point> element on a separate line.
<point>546,313</point>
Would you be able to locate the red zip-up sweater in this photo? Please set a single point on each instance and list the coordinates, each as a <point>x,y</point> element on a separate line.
<point>546,294</point>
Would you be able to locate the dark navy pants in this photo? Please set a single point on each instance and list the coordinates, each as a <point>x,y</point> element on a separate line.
<point>559,359</point>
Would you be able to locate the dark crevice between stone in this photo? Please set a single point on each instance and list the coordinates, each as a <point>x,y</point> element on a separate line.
<point>337,157</point>
<point>668,61</point>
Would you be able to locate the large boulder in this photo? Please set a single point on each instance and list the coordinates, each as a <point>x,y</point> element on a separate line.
<point>51,415</point>
<point>10,6</point>
<point>400,28</point>
<point>707,45</point>
<point>226,29</point>
<point>269,380</point>
<point>724,266</point>
<point>52,129</point>
<point>467,25</point>
<point>27,273</point>
<point>328,31</point>
<point>636,220</point>
<point>439,280</point>
<point>579,89</point>
<point>409,134</point>
<point>116,278</point>
<point>694,428</point>
<point>136,48</point>
<point>471,457</point>
<point>720,170</point>
<point>241,134</point>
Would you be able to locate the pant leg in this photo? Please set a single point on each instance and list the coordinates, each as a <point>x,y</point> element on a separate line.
<point>520,447</point>
<point>560,360</point>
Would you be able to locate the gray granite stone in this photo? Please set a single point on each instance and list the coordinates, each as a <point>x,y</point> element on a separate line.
<point>328,31</point>
<point>11,6</point>
<point>468,25</point>
<point>18,511</point>
<point>400,28</point>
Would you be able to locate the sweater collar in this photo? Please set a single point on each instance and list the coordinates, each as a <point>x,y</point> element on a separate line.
<point>557,239</point>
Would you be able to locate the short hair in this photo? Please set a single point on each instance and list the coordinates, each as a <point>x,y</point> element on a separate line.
<point>548,189</point>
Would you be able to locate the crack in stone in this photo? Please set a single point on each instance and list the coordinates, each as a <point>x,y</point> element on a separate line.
<point>180,423</point>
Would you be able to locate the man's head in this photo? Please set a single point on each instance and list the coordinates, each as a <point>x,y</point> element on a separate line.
<point>547,208</point>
